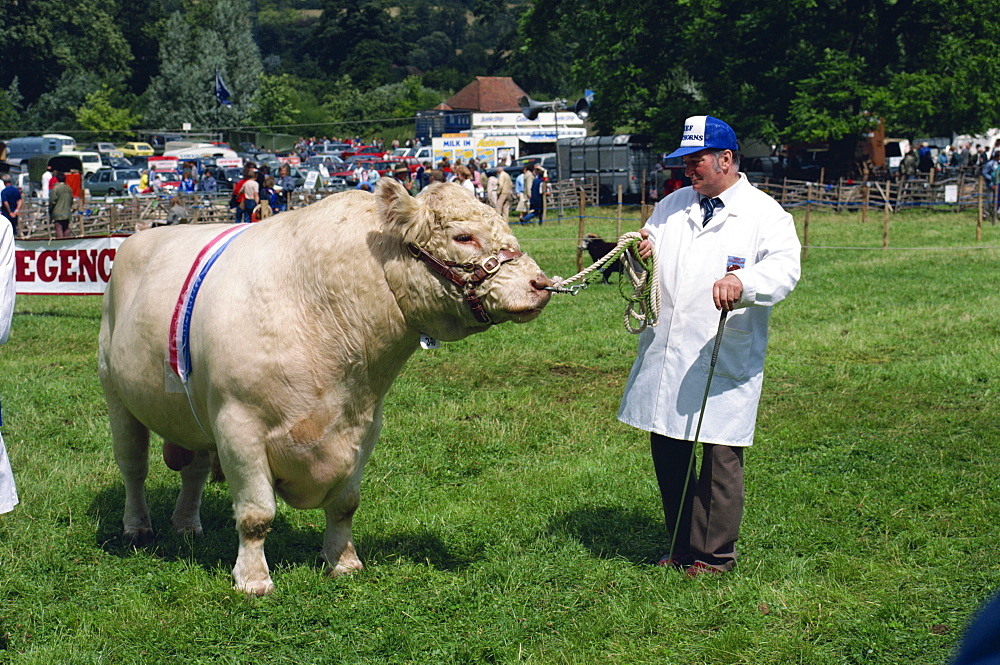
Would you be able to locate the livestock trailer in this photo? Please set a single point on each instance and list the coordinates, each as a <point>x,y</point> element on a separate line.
<point>625,159</point>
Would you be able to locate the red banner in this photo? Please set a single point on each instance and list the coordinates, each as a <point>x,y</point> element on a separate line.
<point>80,266</point>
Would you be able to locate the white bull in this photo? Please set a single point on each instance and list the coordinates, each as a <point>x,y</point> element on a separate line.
<point>297,331</point>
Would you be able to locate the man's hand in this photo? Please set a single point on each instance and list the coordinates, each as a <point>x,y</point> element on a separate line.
<point>726,292</point>
<point>645,245</point>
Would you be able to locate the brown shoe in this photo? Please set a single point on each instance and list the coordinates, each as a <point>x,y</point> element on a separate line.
<point>667,562</point>
<point>701,568</point>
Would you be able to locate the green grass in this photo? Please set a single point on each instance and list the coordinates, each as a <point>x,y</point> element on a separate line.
<point>508,517</point>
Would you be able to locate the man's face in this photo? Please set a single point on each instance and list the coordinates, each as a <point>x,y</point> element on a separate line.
<point>707,173</point>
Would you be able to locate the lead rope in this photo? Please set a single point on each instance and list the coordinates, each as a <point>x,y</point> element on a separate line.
<point>643,309</point>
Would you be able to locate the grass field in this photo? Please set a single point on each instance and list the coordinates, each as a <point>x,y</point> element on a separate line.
<point>508,517</point>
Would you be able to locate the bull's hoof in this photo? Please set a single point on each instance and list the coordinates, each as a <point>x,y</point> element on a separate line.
<point>256,587</point>
<point>344,568</point>
<point>189,529</point>
<point>140,537</point>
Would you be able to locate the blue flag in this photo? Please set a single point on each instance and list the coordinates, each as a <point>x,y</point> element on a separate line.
<point>221,92</point>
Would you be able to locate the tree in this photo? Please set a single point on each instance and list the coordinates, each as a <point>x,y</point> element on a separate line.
<point>357,39</point>
<point>54,110</point>
<point>274,101</point>
<point>363,112</point>
<point>10,106</point>
<point>190,54</point>
<point>97,114</point>
<point>43,40</point>
<point>778,70</point>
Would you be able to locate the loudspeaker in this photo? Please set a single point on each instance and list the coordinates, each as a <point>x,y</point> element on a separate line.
<point>531,108</point>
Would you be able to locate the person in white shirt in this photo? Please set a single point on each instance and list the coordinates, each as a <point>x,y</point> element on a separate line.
<point>721,244</point>
<point>8,491</point>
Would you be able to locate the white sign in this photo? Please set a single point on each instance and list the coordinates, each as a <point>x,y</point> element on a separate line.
<point>225,163</point>
<point>533,135</point>
<point>311,179</point>
<point>186,126</point>
<point>81,266</point>
<point>546,119</point>
<point>951,193</point>
<point>487,150</point>
<point>163,164</point>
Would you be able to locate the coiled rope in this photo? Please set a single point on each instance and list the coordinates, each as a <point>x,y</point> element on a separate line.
<point>643,308</point>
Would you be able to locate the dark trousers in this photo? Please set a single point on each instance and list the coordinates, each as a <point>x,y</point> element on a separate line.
<point>708,524</point>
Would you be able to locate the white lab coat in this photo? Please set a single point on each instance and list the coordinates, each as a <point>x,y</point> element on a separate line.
<point>8,493</point>
<point>667,382</point>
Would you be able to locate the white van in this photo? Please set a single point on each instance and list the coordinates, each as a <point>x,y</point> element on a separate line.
<point>66,143</point>
<point>423,154</point>
<point>91,160</point>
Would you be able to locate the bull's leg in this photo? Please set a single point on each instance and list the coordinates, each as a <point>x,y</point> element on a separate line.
<point>187,512</point>
<point>131,445</point>
<point>254,506</point>
<point>338,540</point>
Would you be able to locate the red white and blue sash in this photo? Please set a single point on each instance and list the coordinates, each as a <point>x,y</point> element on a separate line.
<point>179,344</point>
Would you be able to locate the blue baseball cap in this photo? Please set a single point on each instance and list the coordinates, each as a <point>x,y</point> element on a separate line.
<point>704,131</point>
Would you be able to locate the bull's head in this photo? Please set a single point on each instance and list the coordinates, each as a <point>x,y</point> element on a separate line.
<point>461,268</point>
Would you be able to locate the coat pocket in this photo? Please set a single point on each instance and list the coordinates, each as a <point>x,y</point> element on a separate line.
<point>734,355</point>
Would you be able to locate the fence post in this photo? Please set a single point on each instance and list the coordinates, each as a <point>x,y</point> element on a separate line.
<point>979,199</point>
<point>579,235</point>
<point>865,195</point>
<point>805,225</point>
<point>618,224</point>
<point>885,216</point>
<point>993,205</point>
<point>545,201</point>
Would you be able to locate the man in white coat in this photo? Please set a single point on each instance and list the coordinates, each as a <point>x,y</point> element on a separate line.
<point>8,493</point>
<point>721,244</point>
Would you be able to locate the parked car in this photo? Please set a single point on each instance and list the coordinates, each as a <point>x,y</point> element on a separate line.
<point>118,162</point>
<point>159,141</point>
<point>110,182</point>
<point>546,159</point>
<point>268,158</point>
<point>227,178</point>
<point>137,149</point>
<point>332,163</point>
<point>105,149</point>
<point>368,150</point>
<point>334,149</point>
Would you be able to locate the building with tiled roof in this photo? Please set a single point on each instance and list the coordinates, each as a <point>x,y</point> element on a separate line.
<point>487,94</point>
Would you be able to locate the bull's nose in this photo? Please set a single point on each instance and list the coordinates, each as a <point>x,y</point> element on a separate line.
<point>541,282</point>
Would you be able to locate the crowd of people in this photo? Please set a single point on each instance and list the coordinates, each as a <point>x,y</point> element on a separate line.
<point>948,160</point>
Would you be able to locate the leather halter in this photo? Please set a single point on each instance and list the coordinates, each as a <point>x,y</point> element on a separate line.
<point>480,272</point>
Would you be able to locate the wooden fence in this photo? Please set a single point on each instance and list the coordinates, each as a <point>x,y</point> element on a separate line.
<point>958,192</point>
<point>101,216</point>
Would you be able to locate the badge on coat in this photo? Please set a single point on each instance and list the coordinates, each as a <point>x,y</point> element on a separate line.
<point>735,263</point>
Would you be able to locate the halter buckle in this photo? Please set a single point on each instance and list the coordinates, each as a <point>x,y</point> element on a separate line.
<point>491,265</point>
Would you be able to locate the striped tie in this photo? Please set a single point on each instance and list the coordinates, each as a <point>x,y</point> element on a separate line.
<point>709,207</point>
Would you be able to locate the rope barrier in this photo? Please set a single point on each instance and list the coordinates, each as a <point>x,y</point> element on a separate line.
<point>643,308</point>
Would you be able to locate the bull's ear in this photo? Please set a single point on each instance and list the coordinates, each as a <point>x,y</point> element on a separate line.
<point>401,213</point>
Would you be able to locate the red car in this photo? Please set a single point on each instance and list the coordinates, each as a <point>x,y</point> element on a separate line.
<point>369,151</point>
